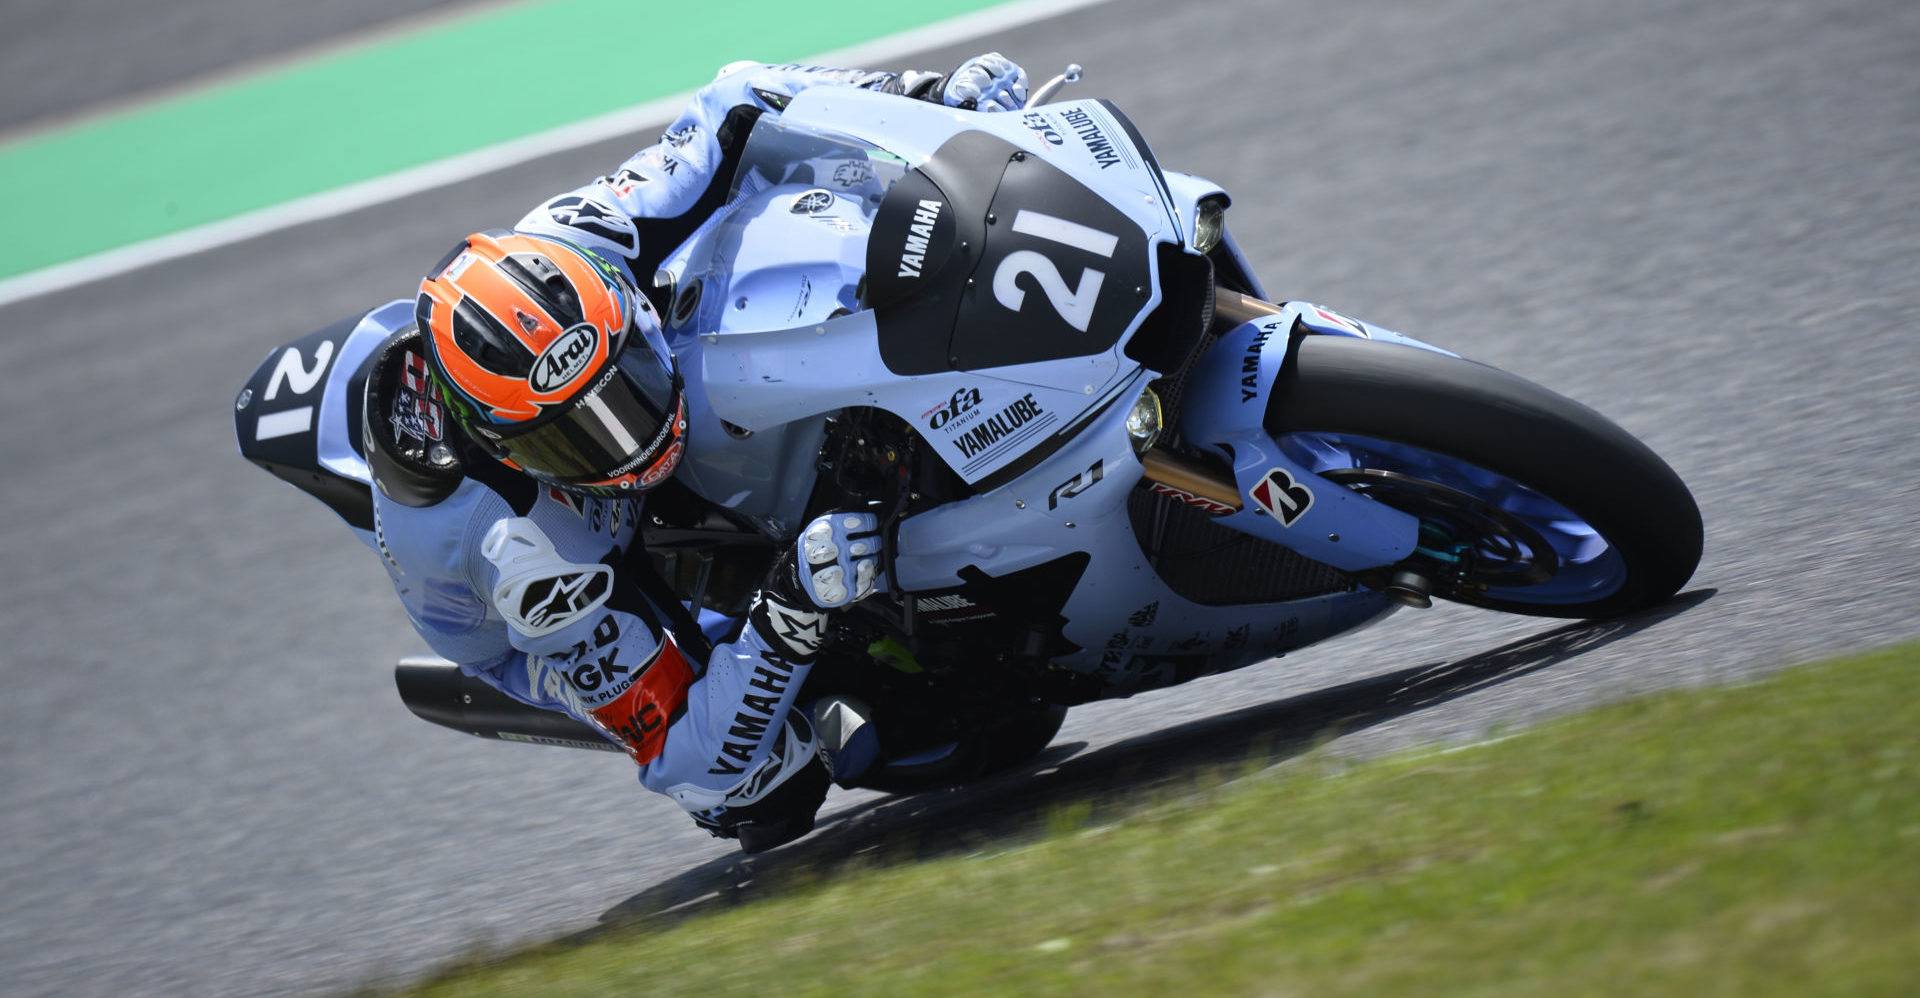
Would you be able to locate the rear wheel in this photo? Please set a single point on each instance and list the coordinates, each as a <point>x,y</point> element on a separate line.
<point>1020,732</point>
<point>1528,501</point>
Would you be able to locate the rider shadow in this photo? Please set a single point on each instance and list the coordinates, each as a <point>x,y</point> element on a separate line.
<point>1062,784</point>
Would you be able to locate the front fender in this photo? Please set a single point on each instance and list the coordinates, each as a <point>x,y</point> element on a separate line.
<point>1282,501</point>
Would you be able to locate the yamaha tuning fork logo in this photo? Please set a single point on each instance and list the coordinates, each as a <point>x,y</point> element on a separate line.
<point>812,203</point>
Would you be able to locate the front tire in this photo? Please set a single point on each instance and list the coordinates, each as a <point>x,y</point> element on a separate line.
<point>1530,502</point>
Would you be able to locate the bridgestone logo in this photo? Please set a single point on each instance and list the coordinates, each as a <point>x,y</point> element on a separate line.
<point>914,258</point>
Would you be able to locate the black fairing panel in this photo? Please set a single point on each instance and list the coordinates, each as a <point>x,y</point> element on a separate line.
<point>1077,265</point>
<point>915,307</point>
<point>276,419</point>
<point>1072,269</point>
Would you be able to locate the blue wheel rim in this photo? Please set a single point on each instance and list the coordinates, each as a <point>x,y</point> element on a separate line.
<point>1498,538</point>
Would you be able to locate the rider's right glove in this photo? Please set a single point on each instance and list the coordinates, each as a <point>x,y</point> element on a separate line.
<point>990,82</point>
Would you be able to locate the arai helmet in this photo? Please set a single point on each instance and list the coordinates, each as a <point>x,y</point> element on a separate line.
<point>552,362</point>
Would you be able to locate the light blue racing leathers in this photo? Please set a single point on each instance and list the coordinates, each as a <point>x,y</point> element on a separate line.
<point>531,589</point>
<point>639,213</point>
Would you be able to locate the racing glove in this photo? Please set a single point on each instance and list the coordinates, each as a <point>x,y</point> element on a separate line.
<point>835,563</point>
<point>838,560</point>
<point>990,82</point>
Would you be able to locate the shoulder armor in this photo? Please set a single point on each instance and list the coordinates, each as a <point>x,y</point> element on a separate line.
<point>413,448</point>
<point>538,591</point>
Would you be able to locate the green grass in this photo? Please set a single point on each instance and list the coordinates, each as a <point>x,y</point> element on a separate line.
<point>1754,840</point>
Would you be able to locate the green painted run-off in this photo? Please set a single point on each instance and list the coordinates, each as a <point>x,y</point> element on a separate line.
<point>389,105</point>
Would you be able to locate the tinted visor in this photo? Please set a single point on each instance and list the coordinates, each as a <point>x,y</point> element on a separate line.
<point>618,427</point>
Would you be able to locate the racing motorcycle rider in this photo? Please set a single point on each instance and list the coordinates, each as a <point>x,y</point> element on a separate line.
<point>512,430</point>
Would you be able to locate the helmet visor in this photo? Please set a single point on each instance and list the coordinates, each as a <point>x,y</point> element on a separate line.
<point>630,417</point>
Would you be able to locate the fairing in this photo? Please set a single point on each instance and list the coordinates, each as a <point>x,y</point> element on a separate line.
<point>781,334</point>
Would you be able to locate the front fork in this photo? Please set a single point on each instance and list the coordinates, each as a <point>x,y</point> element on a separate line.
<point>1257,488</point>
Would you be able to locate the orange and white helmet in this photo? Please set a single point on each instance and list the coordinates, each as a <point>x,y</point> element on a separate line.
<point>551,361</point>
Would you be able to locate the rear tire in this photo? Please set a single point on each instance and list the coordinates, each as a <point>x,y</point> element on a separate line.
<point>1405,411</point>
<point>1021,732</point>
<point>1026,733</point>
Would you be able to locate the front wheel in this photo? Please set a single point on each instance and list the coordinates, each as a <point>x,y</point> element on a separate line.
<point>1528,502</point>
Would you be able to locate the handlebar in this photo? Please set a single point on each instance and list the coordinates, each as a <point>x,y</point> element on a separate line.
<point>1051,87</point>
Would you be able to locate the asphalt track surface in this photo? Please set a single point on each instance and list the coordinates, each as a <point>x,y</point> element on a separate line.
<point>58,57</point>
<point>1701,218</point>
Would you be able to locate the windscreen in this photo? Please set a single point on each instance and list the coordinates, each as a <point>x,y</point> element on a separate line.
<point>779,154</point>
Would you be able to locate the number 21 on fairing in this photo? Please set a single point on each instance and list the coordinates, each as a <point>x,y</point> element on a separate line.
<point>298,378</point>
<point>1075,304</point>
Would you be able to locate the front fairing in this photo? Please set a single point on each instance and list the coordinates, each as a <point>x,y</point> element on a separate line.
<point>802,296</point>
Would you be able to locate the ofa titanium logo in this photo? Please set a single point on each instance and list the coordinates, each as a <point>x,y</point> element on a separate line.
<point>1042,128</point>
<point>564,359</point>
<point>963,401</point>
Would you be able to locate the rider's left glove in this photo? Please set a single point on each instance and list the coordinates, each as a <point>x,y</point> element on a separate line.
<point>990,82</point>
<point>839,559</point>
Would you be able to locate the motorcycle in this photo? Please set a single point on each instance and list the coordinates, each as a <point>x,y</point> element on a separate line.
<point>1106,462</point>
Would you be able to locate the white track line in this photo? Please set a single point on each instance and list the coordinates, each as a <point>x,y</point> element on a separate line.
<point>394,186</point>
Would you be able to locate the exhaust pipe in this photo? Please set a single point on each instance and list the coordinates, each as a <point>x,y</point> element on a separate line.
<point>437,691</point>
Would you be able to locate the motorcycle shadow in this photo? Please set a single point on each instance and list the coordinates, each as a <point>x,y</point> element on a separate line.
<point>1062,785</point>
